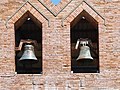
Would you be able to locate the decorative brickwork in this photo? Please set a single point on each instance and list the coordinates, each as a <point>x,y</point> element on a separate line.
<point>55,9</point>
<point>56,45</point>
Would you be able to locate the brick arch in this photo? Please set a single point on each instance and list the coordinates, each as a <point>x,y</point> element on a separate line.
<point>17,19</point>
<point>89,13</point>
<point>83,6</point>
<point>27,6</point>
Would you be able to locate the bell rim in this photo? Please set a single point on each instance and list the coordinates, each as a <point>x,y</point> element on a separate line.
<point>85,59</point>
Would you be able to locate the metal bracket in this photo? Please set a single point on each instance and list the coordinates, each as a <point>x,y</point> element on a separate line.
<point>28,41</point>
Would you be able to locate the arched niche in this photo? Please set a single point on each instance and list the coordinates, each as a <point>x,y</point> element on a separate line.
<point>84,26</point>
<point>28,27</point>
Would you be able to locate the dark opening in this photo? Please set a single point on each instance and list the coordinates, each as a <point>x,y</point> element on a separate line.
<point>84,26</point>
<point>28,27</point>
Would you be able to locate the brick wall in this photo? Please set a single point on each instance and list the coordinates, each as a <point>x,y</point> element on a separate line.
<point>56,22</point>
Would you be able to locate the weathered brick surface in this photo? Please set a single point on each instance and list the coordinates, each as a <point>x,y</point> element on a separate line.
<point>57,73</point>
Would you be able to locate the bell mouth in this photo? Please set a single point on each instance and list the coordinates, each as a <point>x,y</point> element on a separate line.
<point>28,61</point>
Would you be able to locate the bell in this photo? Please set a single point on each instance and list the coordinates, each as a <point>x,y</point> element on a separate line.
<point>28,55</point>
<point>84,51</point>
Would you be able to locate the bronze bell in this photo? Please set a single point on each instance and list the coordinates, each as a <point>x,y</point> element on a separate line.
<point>84,51</point>
<point>28,55</point>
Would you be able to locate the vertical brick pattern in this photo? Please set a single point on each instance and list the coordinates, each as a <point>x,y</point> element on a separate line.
<point>57,73</point>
